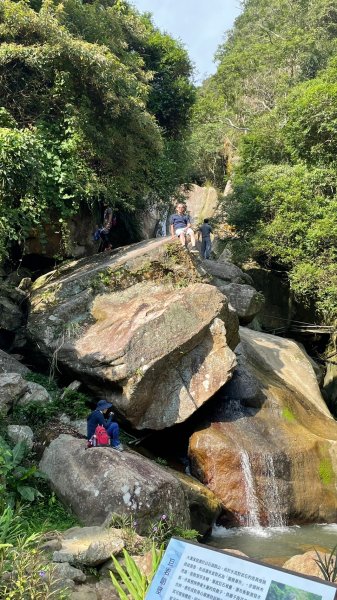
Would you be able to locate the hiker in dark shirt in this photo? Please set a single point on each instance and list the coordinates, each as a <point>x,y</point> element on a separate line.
<point>206,245</point>
<point>97,417</point>
<point>180,226</point>
<point>106,229</point>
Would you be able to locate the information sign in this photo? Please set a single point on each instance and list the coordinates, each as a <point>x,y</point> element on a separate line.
<point>190,571</point>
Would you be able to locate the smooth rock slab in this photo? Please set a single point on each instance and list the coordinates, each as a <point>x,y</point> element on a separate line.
<point>89,546</point>
<point>98,482</point>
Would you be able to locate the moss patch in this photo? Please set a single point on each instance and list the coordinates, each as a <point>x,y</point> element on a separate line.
<point>288,415</point>
<point>325,470</point>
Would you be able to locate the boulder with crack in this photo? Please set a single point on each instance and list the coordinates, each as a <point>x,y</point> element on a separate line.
<point>140,327</point>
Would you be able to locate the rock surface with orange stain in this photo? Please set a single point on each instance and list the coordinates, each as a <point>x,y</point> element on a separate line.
<point>268,448</point>
<point>139,327</point>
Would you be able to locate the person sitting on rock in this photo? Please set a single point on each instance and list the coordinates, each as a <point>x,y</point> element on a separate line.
<point>180,226</point>
<point>98,417</point>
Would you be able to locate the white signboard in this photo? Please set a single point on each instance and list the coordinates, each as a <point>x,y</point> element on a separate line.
<point>191,571</point>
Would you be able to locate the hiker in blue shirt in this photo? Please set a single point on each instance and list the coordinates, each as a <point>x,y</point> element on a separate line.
<point>97,417</point>
<point>180,226</point>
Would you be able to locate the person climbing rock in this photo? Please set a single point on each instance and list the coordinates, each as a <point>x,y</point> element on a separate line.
<point>180,226</point>
<point>205,231</point>
<point>106,229</point>
<point>98,417</point>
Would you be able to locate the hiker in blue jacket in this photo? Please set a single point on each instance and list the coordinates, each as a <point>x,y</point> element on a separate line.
<point>98,417</point>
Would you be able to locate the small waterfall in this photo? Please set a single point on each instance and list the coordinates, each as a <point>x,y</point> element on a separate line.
<point>272,497</point>
<point>251,498</point>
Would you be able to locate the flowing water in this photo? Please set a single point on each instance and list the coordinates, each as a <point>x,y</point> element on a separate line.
<point>252,519</point>
<point>275,544</point>
<point>272,498</point>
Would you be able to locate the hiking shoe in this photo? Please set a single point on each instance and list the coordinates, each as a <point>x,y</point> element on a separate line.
<point>119,448</point>
<point>194,251</point>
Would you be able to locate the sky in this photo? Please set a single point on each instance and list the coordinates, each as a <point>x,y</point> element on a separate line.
<point>199,24</point>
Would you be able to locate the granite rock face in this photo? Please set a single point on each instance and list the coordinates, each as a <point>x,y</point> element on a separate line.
<point>269,447</point>
<point>139,327</point>
<point>98,482</point>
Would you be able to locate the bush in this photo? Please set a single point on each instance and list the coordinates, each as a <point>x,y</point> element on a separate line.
<point>17,482</point>
<point>72,403</point>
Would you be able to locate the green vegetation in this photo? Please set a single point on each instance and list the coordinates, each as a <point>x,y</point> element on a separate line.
<point>281,591</point>
<point>326,471</point>
<point>17,480</point>
<point>328,564</point>
<point>268,120</point>
<point>288,415</point>
<point>95,104</point>
<point>135,582</point>
<point>70,402</point>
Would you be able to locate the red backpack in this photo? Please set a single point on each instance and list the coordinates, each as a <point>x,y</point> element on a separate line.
<point>102,438</point>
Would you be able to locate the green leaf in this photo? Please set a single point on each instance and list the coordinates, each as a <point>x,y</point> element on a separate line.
<point>27,492</point>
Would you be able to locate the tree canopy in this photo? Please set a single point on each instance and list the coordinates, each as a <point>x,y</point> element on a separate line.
<point>95,104</point>
<point>268,120</point>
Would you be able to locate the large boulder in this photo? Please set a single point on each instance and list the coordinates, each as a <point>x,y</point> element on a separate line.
<point>139,327</point>
<point>269,447</point>
<point>245,300</point>
<point>306,563</point>
<point>201,202</point>
<point>226,271</point>
<point>98,482</point>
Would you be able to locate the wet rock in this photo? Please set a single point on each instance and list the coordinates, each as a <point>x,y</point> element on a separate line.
<point>204,506</point>
<point>148,335</point>
<point>21,433</point>
<point>268,448</point>
<point>98,482</point>
<point>245,300</point>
